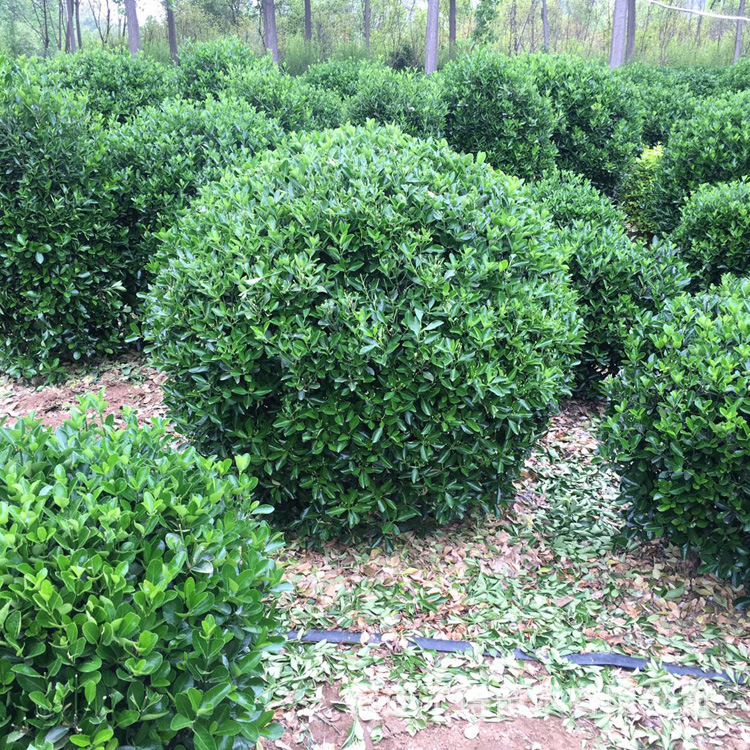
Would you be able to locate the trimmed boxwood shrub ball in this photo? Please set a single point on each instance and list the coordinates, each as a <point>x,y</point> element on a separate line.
<point>678,431</point>
<point>714,231</point>
<point>204,65</point>
<point>616,279</point>
<point>382,324</point>
<point>161,158</point>
<point>62,264</point>
<point>570,197</point>
<point>115,84</point>
<point>138,593</point>
<point>295,104</point>
<point>494,107</point>
<point>410,100</point>
<point>341,76</point>
<point>598,127</point>
<point>713,146</point>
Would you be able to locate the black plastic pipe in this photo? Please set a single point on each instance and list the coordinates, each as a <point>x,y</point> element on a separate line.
<point>620,661</point>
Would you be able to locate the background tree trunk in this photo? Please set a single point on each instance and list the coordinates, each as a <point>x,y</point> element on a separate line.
<point>545,25</point>
<point>78,23</point>
<point>172,32</point>
<point>70,31</point>
<point>630,40</point>
<point>738,35</point>
<point>431,43</point>
<point>366,19</point>
<point>452,26</point>
<point>308,21</point>
<point>619,32</point>
<point>269,29</point>
<point>134,32</point>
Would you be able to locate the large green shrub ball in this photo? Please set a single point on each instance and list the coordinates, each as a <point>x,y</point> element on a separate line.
<point>678,430</point>
<point>494,107</point>
<point>382,324</point>
<point>407,99</point>
<point>62,258</point>
<point>204,65</point>
<point>341,76</point>
<point>712,146</point>
<point>638,193</point>
<point>293,102</point>
<point>137,592</point>
<point>114,83</point>
<point>598,128</point>
<point>714,231</point>
<point>165,154</point>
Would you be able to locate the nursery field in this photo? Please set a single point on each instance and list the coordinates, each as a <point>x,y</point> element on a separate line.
<point>544,577</point>
<point>363,408</point>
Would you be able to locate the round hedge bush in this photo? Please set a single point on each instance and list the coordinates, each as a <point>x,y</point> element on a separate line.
<point>615,277</point>
<point>341,76</point>
<point>714,231</point>
<point>599,128</point>
<point>382,324</point>
<point>678,430</point>
<point>407,99</point>
<point>494,107</point>
<point>115,83</point>
<point>137,592</point>
<point>295,104</point>
<point>164,155</point>
<point>62,259</point>
<point>638,192</point>
<point>204,65</point>
<point>712,146</point>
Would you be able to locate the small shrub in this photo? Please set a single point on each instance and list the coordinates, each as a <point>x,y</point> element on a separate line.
<point>165,154</point>
<point>204,65</point>
<point>737,76</point>
<point>712,146</point>
<point>570,197</point>
<point>714,231</point>
<point>663,97</point>
<point>296,105</point>
<point>137,590</point>
<point>410,100</point>
<point>62,263</point>
<point>678,432</point>
<point>382,324</point>
<point>493,107</point>
<point>115,84</point>
<point>341,76</point>
<point>599,129</point>
<point>638,193</point>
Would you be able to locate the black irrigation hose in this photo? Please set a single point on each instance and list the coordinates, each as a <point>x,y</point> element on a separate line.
<point>452,647</point>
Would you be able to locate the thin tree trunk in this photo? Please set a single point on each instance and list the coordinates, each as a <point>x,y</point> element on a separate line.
<point>431,42</point>
<point>269,29</point>
<point>630,36</point>
<point>738,35</point>
<point>545,25</point>
<point>452,26</point>
<point>172,33</point>
<point>366,20</point>
<point>134,33</point>
<point>70,32</point>
<point>619,32</point>
<point>308,21</point>
<point>78,23</point>
<point>46,27</point>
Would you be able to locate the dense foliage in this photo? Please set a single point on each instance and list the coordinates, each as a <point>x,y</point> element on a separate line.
<point>381,324</point>
<point>639,192</point>
<point>678,429</point>
<point>341,76</point>
<point>137,590</point>
<point>115,84</point>
<point>598,126</point>
<point>204,65</point>
<point>62,264</point>
<point>161,158</point>
<point>295,104</point>
<point>714,231</point>
<point>410,100</point>
<point>712,146</point>
<point>494,107</point>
